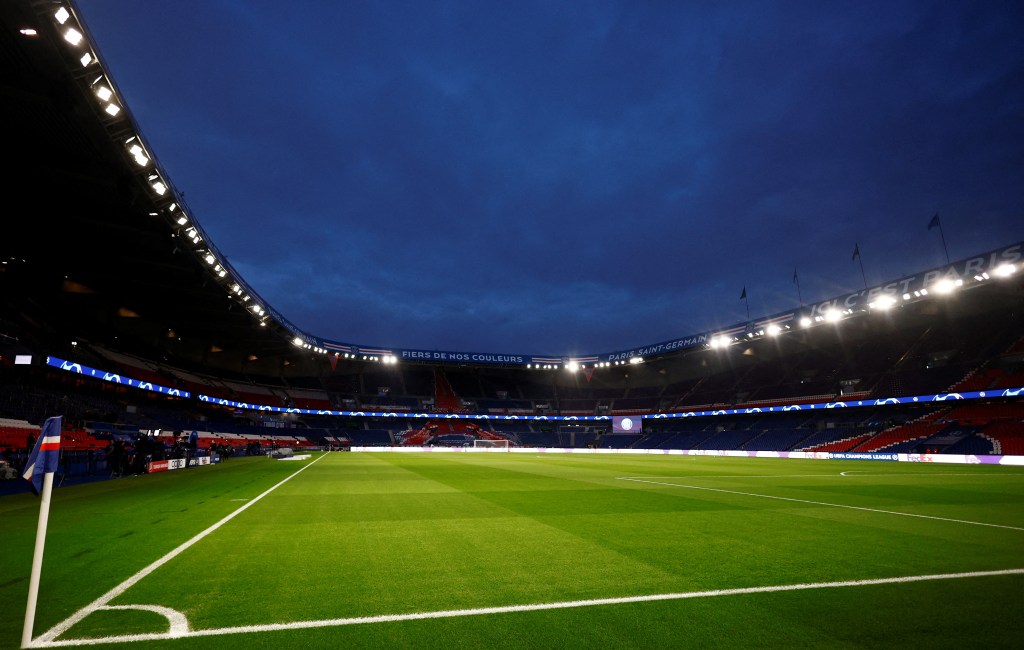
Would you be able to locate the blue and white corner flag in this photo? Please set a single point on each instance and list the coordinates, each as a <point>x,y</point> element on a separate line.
<point>45,455</point>
<point>42,463</point>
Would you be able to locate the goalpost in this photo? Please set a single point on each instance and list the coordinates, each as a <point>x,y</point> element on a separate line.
<point>491,444</point>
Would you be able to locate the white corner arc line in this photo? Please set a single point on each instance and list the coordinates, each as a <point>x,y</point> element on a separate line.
<point>67,624</point>
<point>512,609</point>
<point>177,623</point>
<point>823,503</point>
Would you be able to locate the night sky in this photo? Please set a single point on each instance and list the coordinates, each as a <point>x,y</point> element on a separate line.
<point>575,177</point>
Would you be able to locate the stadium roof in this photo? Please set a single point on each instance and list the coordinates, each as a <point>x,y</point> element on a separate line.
<point>104,247</point>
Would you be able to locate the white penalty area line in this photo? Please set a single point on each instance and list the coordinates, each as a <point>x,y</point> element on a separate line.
<point>48,637</point>
<point>512,609</point>
<point>821,503</point>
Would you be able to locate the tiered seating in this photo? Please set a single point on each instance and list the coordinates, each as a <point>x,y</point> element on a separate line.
<point>14,433</point>
<point>779,439</point>
<point>1009,434</point>
<point>834,440</point>
<point>917,430</point>
<point>726,440</point>
<point>619,440</point>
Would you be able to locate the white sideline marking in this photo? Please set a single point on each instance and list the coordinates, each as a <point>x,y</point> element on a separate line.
<point>61,628</point>
<point>850,473</point>
<point>822,503</point>
<point>511,609</point>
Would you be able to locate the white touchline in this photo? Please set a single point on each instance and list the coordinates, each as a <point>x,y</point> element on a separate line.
<point>512,609</point>
<point>67,624</point>
<point>823,503</point>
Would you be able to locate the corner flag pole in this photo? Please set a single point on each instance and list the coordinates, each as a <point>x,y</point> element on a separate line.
<point>37,560</point>
<point>42,463</point>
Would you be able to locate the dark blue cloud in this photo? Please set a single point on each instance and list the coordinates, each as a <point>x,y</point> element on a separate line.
<point>573,177</point>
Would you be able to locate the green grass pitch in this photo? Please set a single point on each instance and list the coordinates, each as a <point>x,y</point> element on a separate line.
<point>373,534</point>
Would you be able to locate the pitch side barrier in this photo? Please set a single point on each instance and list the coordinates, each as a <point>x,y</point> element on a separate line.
<point>86,371</point>
<point>955,459</point>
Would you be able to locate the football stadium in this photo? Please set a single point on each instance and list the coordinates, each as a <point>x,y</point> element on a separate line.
<point>204,473</point>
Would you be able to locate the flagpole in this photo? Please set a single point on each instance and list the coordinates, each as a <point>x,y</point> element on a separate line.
<point>796,279</point>
<point>37,560</point>
<point>943,235</point>
<point>860,260</point>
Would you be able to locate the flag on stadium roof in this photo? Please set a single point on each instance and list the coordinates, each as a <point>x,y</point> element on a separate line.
<point>934,222</point>
<point>45,455</point>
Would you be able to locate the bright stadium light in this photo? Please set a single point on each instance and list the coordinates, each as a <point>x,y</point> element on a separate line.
<point>139,154</point>
<point>946,286</point>
<point>806,322</point>
<point>773,330</point>
<point>73,36</point>
<point>636,360</point>
<point>157,185</point>
<point>1004,270</point>
<point>62,15</point>
<point>86,59</point>
<point>297,342</point>
<point>833,315</point>
<point>882,302</point>
<point>572,366</point>
<point>104,93</point>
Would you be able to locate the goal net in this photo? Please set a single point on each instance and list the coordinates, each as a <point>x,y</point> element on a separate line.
<point>501,444</point>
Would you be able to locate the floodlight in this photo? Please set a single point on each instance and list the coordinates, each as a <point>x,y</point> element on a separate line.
<point>636,360</point>
<point>112,110</point>
<point>104,93</point>
<point>1004,270</point>
<point>946,285</point>
<point>139,154</point>
<point>156,183</point>
<point>73,36</point>
<point>86,59</point>
<point>572,366</point>
<point>28,31</point>
<point>882,302</point>
<point>210,259</point>
<point>833,315</point>
<point>297,341</point>
<point>62,15</point>
<point>805,322</point>
<point>773,330</point>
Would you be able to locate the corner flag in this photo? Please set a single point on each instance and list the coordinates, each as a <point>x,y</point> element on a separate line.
<point>42,463</point>
<point>45,455</point>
